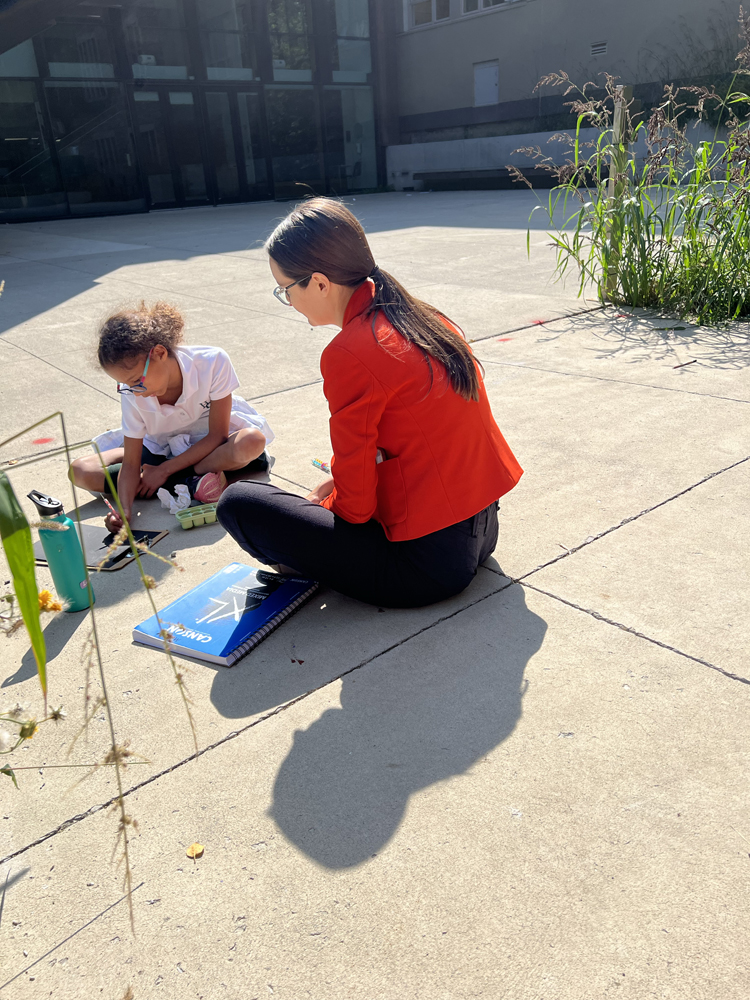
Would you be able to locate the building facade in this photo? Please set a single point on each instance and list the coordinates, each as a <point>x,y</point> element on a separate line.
<point>125,107</point>
<point>470,68</point>
<point>467,95</point>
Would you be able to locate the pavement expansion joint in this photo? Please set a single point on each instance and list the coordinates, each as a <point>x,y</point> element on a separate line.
<point>639,635</point>
<point>174,292</point>
<point>532,326</point>
<point>279,392</point>
<point>193,293</point>
<point>292,482</point>
<point>627,520</point>
<point>16,463</point>
<point>606,378</point>
<point>66,824</point>
<point>75,932</point>
<point>61,370</point>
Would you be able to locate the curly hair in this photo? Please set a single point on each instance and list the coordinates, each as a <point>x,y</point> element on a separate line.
<point>132,332</point>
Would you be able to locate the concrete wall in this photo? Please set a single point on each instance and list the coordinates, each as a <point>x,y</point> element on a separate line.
<point>647,40</point>
<point>496,152</point>
<point>493,153</point>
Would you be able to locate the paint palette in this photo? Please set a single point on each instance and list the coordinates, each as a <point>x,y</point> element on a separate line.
<point>194,517</point>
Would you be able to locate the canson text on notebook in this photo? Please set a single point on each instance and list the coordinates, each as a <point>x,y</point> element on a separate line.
<point>227,615</point>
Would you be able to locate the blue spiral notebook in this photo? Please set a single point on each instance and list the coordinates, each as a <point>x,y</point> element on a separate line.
<point>227,615</point>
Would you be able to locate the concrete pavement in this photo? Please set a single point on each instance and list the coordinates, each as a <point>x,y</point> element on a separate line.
<point>537,790</point>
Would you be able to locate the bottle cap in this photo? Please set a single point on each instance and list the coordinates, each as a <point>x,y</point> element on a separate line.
<point>46,505</point>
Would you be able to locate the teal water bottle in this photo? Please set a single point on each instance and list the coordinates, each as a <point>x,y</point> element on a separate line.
<point>63,552</point>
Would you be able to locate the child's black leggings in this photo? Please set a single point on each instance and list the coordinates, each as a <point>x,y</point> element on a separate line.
<point>356,559</point>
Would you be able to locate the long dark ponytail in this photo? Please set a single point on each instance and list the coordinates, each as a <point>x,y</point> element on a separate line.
<point>322,235</point>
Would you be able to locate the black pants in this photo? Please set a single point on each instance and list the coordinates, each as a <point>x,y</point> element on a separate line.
<point>356,559</point>
<point>148,458</point>
<point>259,464</point>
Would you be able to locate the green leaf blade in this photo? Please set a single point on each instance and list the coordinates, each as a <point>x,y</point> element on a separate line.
<point>19,551</point>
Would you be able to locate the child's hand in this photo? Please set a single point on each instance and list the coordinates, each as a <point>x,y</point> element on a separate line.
<point>152,477</point>
<point>113,522</point>
<point>321,491</point>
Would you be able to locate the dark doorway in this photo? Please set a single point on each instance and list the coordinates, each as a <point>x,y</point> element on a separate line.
<point>168,135</point>
<point>92,140</point>
<point>235,146</point>
<point>294,135</point>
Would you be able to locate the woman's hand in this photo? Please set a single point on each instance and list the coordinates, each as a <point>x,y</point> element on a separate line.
<point>152,477</point>
<point>321,491</point>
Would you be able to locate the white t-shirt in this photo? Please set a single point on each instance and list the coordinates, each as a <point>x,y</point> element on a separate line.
<point>207,374</point>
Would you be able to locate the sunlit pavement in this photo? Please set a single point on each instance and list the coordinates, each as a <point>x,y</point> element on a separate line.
<point>537,790</point>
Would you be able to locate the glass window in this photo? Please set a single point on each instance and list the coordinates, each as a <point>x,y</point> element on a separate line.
<point>470,6</point>
<point>186,147</point>
<point>351,162</point>
<point>92,139</point>
<point>77,45</point>
<point>289,26</point>
<point>421,12</point>
<point>352,18</point>
<point>427,11</point>
<point>153,149</point>
<point>29,183</point>
<point>170,149</point>
<point>351,56</point>
<point>250,129</point>
<point>352,61</point>
<point>19,61</point>
<point>225,27</point>
<point>156,40</point>
<point>295,141</point>
<point>221,146</point>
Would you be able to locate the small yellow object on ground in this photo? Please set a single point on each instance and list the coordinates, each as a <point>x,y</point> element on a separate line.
<point>47,602</point>
<point>195,851</point>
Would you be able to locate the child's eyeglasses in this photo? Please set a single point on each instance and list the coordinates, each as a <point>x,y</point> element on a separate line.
<point>282,291</point>
<point>125,389</point>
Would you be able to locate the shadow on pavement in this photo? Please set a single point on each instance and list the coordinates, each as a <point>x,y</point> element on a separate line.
<point>39,282</point>
<point>56,637</point>
<point>426,713</point>
<point>111,588</point>
<point>635,335</point>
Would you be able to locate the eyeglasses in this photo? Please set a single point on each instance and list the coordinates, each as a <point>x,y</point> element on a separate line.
<point>124,388</point>
<point>282,291</point>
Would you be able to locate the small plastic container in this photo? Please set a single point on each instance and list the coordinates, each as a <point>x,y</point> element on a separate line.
<point>194,517</point>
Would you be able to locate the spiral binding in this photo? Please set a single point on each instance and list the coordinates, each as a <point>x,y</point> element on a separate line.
<point>260,635</point>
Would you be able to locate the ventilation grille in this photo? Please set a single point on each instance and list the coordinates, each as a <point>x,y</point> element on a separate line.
<point>599,49</point>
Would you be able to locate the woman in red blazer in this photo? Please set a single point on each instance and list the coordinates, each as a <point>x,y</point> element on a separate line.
<point>410,509</point>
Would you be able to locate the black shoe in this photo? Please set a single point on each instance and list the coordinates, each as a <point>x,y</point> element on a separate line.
<point>268,578</point>
<point>261,464</point>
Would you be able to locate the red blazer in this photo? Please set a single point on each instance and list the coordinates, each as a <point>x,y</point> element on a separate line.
<point>446,458</point>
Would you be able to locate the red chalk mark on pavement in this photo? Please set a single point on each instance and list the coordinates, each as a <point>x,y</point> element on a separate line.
<point>539,322</point>
<point>503,340</point>
<point>42,440</point>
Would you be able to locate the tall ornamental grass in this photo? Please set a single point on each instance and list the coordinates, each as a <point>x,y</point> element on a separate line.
<point>668,230</point>
<point>23,606</point>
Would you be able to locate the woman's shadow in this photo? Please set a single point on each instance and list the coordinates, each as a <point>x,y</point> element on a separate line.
<point>427,711</point>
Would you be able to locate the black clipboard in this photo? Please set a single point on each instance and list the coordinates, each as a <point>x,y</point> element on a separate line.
<point>96,542</point>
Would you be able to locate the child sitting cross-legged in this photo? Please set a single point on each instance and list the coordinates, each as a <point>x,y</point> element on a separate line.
<point>181,422</point>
